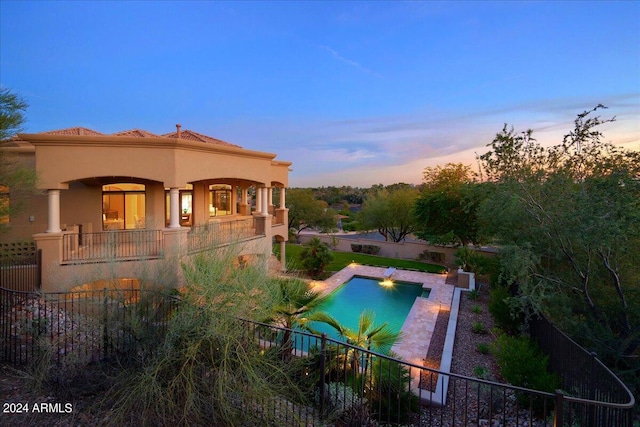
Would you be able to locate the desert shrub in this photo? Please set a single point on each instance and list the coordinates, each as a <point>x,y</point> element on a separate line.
<point>356,247</point>
<point>343,405</point>
<point>437,257</point>
<point>390,393</point>
<point>371,249</point>
<point>474,295</point>
<point>209,369</point>
<point>481,372</point>
<point>483,348</point>
<point>479,328</point>
<point>350,226</point>
<point>315,256</point>
<point>523,364</point>
<point>476,309</point>
<point>501,311</point>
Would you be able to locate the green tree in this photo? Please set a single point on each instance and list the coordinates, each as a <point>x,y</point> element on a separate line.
<point>390,212</point>
<point>446,210</point>
<point>570,217</point>
<point>315,257</point>
<point>12,110</point>
<point>307,212</point>
<point>16,180</point>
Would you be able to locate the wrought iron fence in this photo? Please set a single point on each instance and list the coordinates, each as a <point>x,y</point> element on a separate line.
<point>82,327</point>
<point>112,245</point>
<point>20,266</point>
<point>585,379</point>
<point>215,234</point>
<point>342,384</point>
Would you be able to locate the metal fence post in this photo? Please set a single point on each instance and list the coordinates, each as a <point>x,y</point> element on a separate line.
<point>323,351</point>
<point>39,269</point>
<point>559,414</point>
<point>592,390</point>
<point>105,336</point>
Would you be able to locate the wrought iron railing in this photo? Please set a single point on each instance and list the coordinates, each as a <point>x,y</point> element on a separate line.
<point>215,234</point>
<point>585,380</point>
<point>112,245</point>
<point>343,384</point>
<point>83,326</point>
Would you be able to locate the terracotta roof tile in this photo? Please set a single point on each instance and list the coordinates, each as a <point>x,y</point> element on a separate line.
<point>186,134</point>
<point>72,131</point>
<point>195,136</point>
<point>140,133</point>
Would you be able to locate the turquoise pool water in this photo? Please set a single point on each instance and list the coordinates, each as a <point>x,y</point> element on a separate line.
<point>390,303</point>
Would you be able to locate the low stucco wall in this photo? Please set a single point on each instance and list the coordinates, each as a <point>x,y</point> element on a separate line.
<point>401,250</point>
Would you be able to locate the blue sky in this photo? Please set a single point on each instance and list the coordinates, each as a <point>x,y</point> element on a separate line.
<point>353,93</point>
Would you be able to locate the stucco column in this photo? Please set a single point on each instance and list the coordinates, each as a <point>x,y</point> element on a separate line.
<point>283,256</point>
<point>234,199</point>
<point>265,207</point>
<point>270,196</point>
<point>174,207</point>
<point>244,208</point>
<point>53,218</point>
<point>259,199</point>
<point>282,197</point>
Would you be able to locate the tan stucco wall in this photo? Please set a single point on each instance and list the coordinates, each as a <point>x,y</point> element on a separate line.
<point>61,159</point>
<point>80,165</point>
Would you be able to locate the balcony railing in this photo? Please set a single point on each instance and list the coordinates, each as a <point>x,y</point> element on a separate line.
<point>112,245</point>
<point>214,234</point>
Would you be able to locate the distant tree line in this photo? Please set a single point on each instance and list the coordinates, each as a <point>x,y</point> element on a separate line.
<point>565,220</point>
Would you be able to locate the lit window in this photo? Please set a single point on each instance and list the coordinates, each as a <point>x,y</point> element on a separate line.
<point>219,200</point>
<point>123,206</point>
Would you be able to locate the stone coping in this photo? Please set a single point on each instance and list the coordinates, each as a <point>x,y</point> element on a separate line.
<point>420,323</point>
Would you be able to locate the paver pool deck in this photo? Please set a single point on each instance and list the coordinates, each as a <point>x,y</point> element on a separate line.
<point>418,327</point>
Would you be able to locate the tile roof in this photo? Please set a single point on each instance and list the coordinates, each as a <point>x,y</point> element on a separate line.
<point>72,131</point>
<point>140,133</point>
<point>195,136</point>
<point>186,134</point>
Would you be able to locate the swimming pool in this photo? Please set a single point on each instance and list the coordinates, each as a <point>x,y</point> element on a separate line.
<point>391,304</point>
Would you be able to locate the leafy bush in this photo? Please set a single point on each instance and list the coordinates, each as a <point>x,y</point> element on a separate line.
<point>479,328</point>
<point>315,256</point>
<point>371,249</point>
<point>356,248</point>
<point>390,393</point>
<point>523,364</point>
<point>483,348</point>
<point>501,311</point>
<point>350,226</point>
<point>342,404</point>
<point>481,372</point>
<point>427,255</point>
<point>438,257</point>
<point>208,370</point>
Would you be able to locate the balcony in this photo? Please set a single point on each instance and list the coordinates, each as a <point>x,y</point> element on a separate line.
<point>116,245</point>
<point>215,234</point>
<point>128,245</point>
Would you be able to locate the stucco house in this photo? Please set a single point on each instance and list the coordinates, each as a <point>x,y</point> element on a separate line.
<point>134,203</point>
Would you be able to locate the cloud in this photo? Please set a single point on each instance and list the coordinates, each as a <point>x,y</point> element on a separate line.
<point>364,151</point>
<point>348,61</point>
